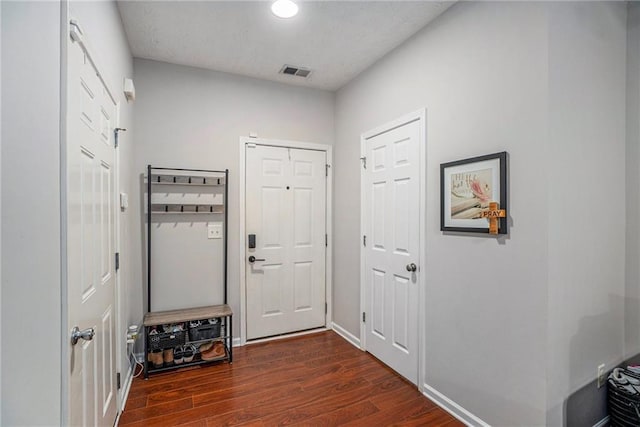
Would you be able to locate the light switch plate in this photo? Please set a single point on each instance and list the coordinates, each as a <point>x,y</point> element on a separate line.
<point>124,201</point>
<point>214,231</point>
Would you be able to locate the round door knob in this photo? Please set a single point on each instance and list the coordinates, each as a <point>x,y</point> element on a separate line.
<point>77,334</point>
<point>412,267</point>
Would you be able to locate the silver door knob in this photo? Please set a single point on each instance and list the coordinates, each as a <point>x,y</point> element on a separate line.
<point>412,267</point>
<point>86,335</point>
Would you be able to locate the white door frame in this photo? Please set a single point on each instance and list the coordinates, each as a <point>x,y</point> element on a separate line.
<point>328,149</point>
<point>66,328</point>
<point>421,116</point>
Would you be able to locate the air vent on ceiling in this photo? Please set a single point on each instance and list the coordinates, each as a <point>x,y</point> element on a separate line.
<point>295,71</point>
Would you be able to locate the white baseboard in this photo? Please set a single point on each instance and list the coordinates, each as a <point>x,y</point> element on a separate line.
<point>603,422</point>
<point>237,342</point>
<point>126,387</point>
<point>452,407</point>
<point>346,334</point>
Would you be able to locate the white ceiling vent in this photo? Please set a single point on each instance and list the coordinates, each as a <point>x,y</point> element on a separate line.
<point>292,70</point>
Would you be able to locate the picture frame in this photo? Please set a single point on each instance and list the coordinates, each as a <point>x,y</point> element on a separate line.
<point>466,188</point>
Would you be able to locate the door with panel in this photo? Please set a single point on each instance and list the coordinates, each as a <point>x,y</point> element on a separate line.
<point>91,217</point>
<point>285,206</point>
<point>391,211</point>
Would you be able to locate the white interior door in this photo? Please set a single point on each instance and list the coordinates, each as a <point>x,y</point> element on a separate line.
<point>90,242</point>
<point>285,206</point>
<point>391,212</point>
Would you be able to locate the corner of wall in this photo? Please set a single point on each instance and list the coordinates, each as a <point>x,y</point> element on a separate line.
<point>632,172</point>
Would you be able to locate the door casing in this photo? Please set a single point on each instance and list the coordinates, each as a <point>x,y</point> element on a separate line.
<point>421,116</point>
<point>243,237</point>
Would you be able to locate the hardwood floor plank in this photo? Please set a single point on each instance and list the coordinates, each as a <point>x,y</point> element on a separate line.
<point>344,415</point>
<point>156,411</point>
<point>198,423</point>
<point>136,403</point>
<point>312,380</point>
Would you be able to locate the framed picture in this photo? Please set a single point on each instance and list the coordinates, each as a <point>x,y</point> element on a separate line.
<point>466,189</point>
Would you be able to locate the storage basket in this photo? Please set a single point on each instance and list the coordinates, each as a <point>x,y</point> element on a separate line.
<point>166,339</point>
<point>210,328</point>
<point>624,406</point>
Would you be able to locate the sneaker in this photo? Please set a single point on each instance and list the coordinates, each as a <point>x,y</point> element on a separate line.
<point>189,352</point>
<point>178,355</point>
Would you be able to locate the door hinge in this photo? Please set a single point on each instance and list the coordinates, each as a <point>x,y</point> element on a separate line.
<point>364,162</point>
<point>118,380</point>
<point>364,240</point>
<point>364,317</point>
<point>117,261</point>
<point>326,169</point>
<point>115,137</point>
<point>325,308</point>
<point>326,240</point>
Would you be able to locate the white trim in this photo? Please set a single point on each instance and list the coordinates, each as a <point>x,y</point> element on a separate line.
<point>452,407</point>
<point>363,288</point>
<point>241,245</point>
<point>422,289</point>
<point>421,116</point>
<point>65,403</point>
<point>121,322</point>
<point>125,390</point>
<point>328,149</point>
<point>603,422</point>
<point>285,336</point>
<point>348,336</point>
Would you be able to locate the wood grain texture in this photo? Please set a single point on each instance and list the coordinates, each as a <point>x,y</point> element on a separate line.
<point>186,314</point>
<point>311,380</point>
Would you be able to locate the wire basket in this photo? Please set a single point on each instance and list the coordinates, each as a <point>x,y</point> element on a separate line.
<point>208,329</point>
<point>166,340</point>
<point>623,405</point>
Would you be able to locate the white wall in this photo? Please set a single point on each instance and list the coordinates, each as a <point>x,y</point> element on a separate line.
<point>632,282</point>
<point>586,153</point>
<point>515,325</point>
<point>31,297</point>
<point>0,218</point>
<point>31,363</point>
<point>480,69</point>
<point>102,24</point>
<point>193,118</point>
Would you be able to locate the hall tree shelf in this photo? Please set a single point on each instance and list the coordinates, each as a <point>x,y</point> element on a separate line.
<point>194,327</point>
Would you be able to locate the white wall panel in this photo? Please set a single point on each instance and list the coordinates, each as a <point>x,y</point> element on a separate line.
<point>189,117</point>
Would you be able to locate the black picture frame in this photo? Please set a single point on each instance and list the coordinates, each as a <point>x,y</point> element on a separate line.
<point>466,188</point>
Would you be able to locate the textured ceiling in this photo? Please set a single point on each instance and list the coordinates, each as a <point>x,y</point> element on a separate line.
<point>336,39</point>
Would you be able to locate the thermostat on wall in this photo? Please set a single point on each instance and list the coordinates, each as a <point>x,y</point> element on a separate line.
<point>129,90</point>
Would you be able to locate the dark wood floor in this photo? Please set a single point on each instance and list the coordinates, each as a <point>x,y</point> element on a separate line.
<point>315,380</point>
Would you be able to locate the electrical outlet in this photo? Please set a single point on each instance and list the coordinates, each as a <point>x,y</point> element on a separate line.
<point>214,231</point>
<point>601,375</point>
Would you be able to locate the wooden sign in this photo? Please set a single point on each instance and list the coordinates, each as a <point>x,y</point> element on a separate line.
<point>492,215</point>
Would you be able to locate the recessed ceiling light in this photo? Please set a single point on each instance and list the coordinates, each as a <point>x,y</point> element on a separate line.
<point>284,8</point>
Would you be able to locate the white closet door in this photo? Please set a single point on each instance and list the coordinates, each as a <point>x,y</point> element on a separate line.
<point>391,220</point>
<point>91,243</point>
